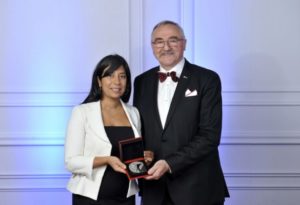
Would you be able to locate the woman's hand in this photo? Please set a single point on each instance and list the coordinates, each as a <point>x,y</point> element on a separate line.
<point>149,157</point>
<point>116,164</point>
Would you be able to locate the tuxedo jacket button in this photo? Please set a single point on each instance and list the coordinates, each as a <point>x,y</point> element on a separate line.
<point>163,139</point>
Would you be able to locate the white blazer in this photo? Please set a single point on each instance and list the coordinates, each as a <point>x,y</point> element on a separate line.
<point>86,139</point>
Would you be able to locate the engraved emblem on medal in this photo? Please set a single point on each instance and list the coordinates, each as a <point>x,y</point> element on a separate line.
<point>137,167</point>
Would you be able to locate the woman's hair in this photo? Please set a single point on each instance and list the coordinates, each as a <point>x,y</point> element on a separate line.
<point>106,67</point>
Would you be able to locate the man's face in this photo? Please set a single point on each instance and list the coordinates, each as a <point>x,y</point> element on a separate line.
<point>168,45</point>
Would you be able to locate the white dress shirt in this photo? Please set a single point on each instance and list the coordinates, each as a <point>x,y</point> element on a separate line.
<point>166,91</point>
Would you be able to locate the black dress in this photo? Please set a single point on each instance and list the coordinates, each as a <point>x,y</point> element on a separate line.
<point>114,186</point>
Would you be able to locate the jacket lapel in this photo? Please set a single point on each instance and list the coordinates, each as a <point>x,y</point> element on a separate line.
<point>179,92</point>
<point>131,121</point>
<point>153,96</point>
<point>96,121</point>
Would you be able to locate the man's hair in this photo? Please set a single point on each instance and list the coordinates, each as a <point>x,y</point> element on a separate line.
<point>168,22</point>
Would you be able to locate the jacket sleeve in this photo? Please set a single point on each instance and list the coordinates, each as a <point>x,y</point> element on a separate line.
<point>75,161</point>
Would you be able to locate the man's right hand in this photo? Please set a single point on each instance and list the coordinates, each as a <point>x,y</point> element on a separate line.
<point>158,170</point>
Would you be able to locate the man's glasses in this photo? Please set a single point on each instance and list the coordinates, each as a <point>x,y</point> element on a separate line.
<point>172,42</point>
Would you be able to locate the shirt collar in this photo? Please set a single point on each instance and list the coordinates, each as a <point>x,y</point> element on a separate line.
<point>177,68</point>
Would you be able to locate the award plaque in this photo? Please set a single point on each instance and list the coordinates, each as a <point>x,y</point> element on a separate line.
<point>132,154</point>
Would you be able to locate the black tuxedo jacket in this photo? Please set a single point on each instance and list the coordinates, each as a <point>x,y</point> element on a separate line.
<point>190,139</point>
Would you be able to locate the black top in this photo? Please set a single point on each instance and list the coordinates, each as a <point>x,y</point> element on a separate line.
<point>114,184</point>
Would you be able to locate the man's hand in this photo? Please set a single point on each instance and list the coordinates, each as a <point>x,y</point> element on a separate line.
<point>158,170</point>
<point>149,156</point>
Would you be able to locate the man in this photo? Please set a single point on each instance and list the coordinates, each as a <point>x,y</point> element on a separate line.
<point>181,118</point>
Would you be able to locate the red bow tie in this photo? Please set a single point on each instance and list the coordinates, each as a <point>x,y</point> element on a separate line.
<point>163,76</point>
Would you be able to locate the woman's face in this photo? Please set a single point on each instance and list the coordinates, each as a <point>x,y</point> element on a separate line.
<point>114,85</point>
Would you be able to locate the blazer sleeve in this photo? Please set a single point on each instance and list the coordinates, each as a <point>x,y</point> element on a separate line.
<point>75,161</point>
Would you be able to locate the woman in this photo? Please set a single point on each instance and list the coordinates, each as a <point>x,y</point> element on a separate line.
<point>95,128</point>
